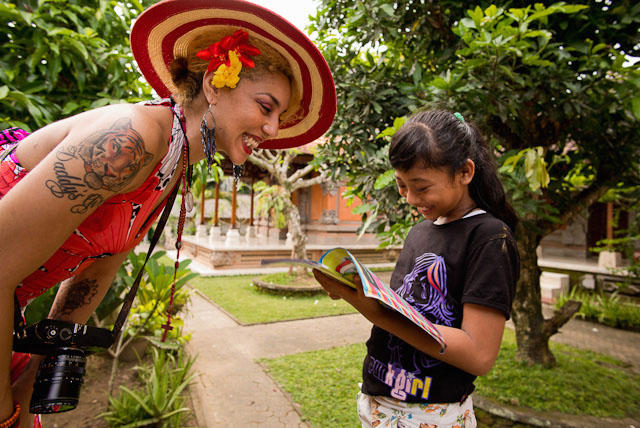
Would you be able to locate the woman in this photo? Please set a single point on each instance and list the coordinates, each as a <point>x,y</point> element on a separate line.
<point>79,194</point>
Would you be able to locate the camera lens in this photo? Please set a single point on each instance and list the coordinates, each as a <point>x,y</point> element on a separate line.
<point>58,381</point>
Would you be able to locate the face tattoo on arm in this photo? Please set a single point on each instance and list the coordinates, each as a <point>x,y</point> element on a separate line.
<point>80,293</point>
<point>111,158</point>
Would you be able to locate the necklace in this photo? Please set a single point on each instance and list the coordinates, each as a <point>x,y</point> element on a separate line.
<point>185,205</point>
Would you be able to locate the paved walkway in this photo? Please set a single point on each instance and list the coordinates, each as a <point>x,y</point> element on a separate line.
<point>232,390</point>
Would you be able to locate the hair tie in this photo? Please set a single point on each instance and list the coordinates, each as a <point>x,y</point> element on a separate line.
<point>459,116</point>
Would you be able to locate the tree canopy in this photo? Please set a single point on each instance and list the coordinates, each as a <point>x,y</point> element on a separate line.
<point>61,57</point>
<point>551,84</point>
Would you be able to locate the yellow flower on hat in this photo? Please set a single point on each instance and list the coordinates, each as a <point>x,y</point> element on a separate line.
<point>227,75</point>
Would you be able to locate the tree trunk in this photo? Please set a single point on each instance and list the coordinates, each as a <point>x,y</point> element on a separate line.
<point>532,330</point>
<point>299,239</point>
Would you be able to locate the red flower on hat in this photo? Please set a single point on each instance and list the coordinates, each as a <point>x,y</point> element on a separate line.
<point>218,53</point>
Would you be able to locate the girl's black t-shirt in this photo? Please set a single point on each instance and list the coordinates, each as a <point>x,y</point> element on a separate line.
<point>441,267</point>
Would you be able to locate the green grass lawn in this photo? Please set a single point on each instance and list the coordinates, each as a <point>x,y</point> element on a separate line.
<point>249,305</point>
<point>325,382</point>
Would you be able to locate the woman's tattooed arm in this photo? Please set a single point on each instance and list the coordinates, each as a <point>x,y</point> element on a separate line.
<point>111,158</point>
<point>72,296</point>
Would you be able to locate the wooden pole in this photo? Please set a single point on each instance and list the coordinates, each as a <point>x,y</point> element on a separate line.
<point>609,220</point>
<point>215,214</point>
<point>234,202</point>
<point>252,195</point>
<point>202,205</point>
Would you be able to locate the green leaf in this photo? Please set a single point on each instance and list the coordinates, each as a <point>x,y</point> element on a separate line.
<point>361,209</point>
<point>384,180</point>
<point>417,73</point>
<point>370,219</point>
<point>477,16</point>
<point>4,91</point>
<point>538,33</point>
<point>70,107</point>
<point>535,60</point>
<point>399,121</point>
<point>440,83</point>
<point>635,107</point>
<point>388,9</point>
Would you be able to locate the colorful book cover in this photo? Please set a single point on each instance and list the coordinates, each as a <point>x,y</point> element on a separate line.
<point>341,265</point>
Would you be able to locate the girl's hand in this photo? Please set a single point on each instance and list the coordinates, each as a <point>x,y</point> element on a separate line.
<point>369,307</point>
<point>334,289</point>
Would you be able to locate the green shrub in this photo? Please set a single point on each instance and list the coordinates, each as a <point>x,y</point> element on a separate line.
<point>160,401</point>
<point>604,308</point>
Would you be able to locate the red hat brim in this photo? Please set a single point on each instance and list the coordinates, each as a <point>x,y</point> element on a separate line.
<point>165,29</point>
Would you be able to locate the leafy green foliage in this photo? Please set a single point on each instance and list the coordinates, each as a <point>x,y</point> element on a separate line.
<point>272,203</point>
<point>149,312</point>
<point>61,57</point>
<point>160,401</point>
<point>39,308</point>
<point>548,83</point>
<point>607,309</point>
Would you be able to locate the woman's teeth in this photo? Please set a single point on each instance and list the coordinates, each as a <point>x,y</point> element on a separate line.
<point>250,142</point>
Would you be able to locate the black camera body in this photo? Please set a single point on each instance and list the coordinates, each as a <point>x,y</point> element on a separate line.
<point>60,374</point>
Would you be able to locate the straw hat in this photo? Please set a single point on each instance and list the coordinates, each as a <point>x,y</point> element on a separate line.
<point>164,31</point>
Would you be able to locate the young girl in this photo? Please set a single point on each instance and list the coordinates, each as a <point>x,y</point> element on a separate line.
<point>459,268</point>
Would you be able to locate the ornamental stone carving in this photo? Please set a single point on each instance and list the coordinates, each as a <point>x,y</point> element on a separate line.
<point>221,258</point>
<point>329,217</point>
<point>329,188</point>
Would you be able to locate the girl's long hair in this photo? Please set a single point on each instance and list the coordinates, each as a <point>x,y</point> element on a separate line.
<point>436,138</point>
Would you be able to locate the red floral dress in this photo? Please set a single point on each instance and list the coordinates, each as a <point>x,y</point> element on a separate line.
<point>118,225</point>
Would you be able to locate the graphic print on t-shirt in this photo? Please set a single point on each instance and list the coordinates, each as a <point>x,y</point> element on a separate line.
<point>425,288</point>
<point>429,277</point>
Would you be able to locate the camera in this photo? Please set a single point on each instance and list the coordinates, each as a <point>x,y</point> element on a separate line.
<point>60,374</point>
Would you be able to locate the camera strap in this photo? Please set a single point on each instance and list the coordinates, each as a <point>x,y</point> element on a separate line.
<point>128,301</point>
<point>186,178</point>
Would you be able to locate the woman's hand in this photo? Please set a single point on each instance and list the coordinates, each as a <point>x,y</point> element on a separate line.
<point>22,390</point>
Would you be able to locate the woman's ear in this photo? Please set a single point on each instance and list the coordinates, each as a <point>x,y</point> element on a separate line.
<point>210,92</point>
<point>467,171</point>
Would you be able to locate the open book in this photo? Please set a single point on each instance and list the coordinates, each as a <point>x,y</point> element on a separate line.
<point>341,265</point>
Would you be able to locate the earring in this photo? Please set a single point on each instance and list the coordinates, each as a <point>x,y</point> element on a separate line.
<point>208,137</point>
<point>237,173</point>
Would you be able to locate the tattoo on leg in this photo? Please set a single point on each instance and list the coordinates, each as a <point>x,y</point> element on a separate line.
<point>78,294</point>
<point>111,159</point>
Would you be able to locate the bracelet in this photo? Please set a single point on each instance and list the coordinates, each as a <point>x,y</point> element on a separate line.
<point>14,420</point>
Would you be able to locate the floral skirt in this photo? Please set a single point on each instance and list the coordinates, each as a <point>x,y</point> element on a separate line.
<point>386,412</point>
